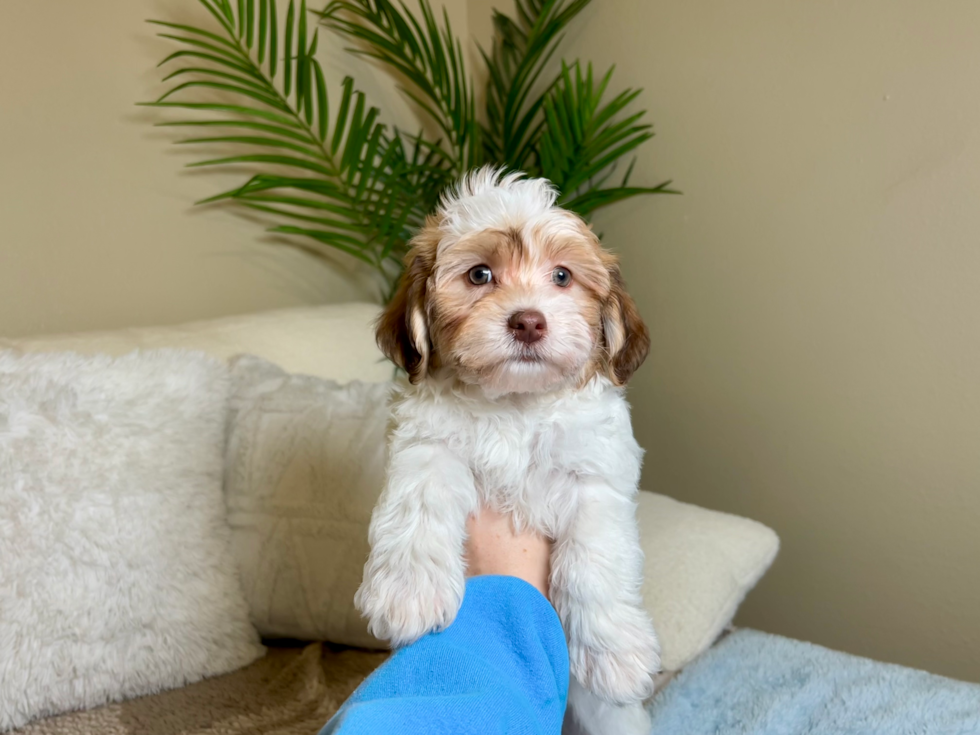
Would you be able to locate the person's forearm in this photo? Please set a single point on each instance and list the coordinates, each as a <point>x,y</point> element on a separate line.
<point>501,667</point>
<point>492,547</point>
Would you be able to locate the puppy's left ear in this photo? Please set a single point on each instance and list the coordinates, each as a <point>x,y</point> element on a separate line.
<point>626,337</point>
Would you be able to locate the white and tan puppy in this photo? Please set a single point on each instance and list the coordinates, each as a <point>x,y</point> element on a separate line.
<point>517,336</point>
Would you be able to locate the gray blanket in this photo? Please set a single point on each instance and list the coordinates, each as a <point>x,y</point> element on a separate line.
<point>754,683</point>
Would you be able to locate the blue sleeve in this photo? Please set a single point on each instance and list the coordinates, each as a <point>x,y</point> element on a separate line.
<point>501,667</point>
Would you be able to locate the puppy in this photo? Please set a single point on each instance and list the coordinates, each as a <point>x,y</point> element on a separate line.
<point>517,336</point>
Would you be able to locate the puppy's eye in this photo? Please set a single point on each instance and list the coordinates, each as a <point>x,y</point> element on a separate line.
<point>561,276</point>
<point>480,275</point>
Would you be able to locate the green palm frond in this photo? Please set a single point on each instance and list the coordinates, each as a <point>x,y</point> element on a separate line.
<point>343,181</point>
<point>424,53</point>
<point>339,178</point>
<point>584,138</point>
<point>519,56</point>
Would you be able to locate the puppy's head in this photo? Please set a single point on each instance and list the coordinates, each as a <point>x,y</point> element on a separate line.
<point>511,293</point>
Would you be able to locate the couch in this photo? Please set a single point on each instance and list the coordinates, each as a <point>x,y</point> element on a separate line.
<point>700,566</point>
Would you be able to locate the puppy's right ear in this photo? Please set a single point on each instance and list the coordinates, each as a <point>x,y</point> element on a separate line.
<point>402,330</point>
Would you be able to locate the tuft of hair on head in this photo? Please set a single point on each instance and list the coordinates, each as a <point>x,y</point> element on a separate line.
<point>490,197</point>
<point>627,340</point>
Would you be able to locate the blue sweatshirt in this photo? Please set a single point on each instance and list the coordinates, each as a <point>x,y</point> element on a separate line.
<point>501,667</point>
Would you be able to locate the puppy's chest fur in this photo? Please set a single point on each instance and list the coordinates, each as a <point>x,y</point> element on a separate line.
<point>529,455</point>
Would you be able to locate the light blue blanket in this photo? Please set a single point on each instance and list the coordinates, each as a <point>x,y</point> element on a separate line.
<point>754,683</point>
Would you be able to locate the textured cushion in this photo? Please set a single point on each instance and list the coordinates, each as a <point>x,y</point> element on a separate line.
<point>335,341</point>
<point>700,564</point>
<point>116,577</point>
<point>306,465</point>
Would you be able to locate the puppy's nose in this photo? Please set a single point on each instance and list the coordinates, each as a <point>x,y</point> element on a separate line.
<point>527,326</point>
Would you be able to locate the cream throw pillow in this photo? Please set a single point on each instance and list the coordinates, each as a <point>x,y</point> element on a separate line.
<point>699,566</point>
<point>305,467</point>
<point>116,577</point>
<point>305,464</point>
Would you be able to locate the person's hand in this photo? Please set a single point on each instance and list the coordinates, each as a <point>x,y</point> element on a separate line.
<point>494,548</point>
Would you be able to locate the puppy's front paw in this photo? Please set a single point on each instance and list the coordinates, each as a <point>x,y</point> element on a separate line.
<point>402,606</point>
<point>621,672</point>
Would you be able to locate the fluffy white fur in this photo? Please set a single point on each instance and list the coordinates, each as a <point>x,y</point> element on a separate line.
<point>559,457</point>
<point>487,199</point>
<point>116,578</point>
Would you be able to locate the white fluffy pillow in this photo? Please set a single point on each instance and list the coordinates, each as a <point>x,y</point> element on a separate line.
<point>306,465</point>
<point>116,578</point>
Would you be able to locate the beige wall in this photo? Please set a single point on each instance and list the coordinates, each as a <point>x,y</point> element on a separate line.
<point>97,224</point>
<point>814,299</point>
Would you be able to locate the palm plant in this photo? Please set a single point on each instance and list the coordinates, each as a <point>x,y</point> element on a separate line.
<point>340,178</point>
